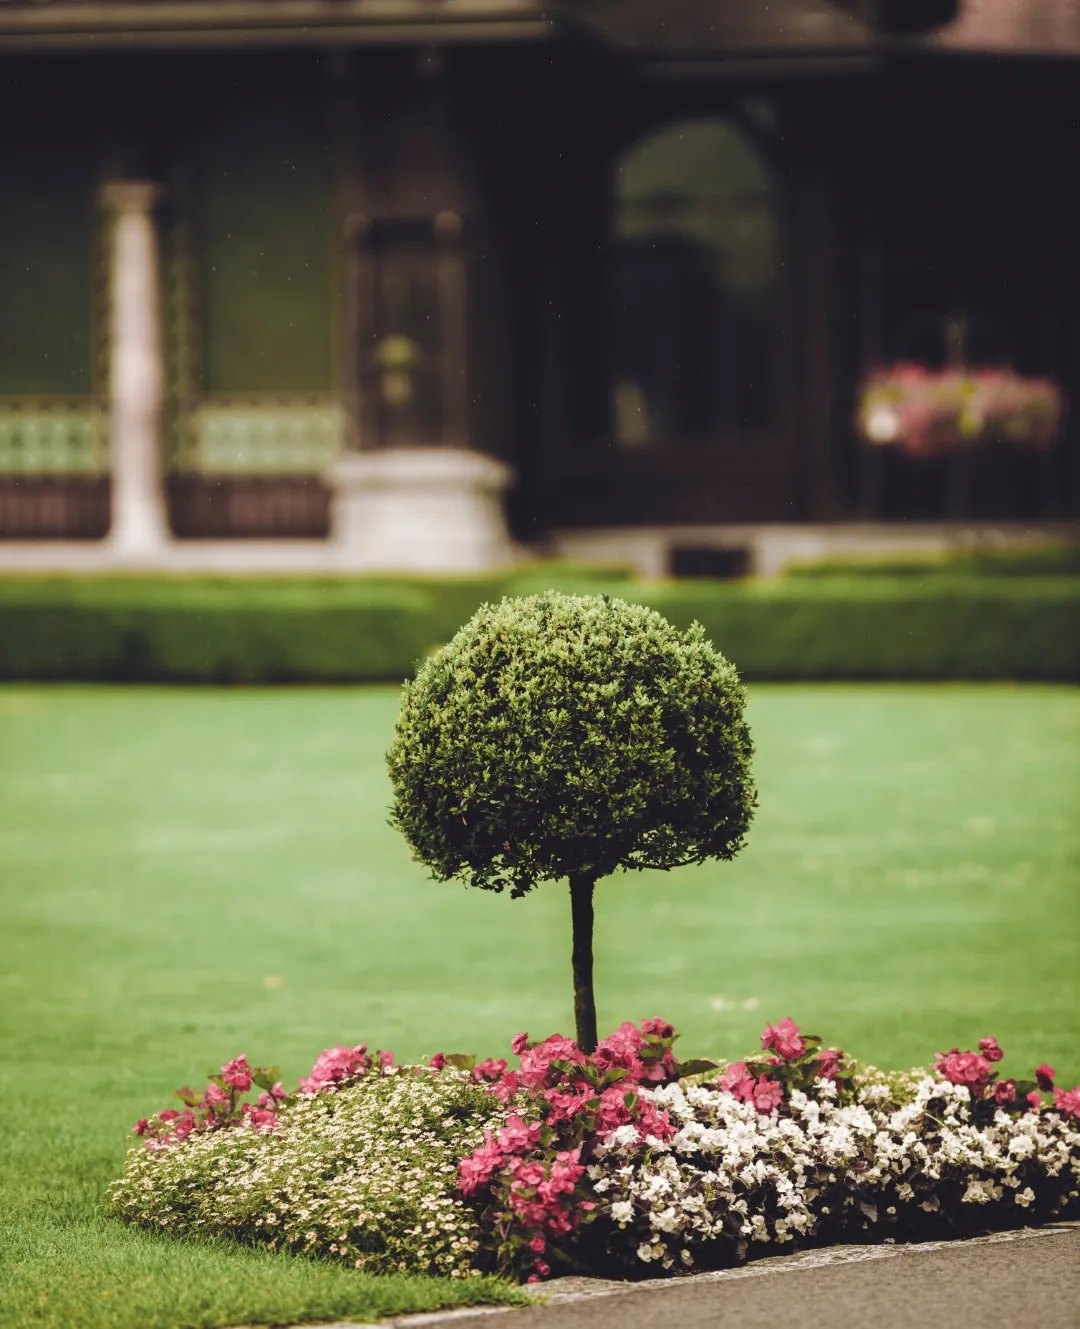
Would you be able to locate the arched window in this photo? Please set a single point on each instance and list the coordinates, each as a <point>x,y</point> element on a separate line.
<point>693,288</point>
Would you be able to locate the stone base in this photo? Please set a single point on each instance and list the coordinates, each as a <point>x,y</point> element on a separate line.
<point>421,510</point>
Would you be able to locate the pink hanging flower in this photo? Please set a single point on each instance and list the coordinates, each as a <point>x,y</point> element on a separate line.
<point>438,1061</point>
<point>1034,1100</point>
<point>519,1043</point>
<point>784,1039</point>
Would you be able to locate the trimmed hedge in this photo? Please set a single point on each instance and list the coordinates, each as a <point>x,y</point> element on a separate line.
<point>863,628</point>
<point>293,630</point>
<point>1058,558</point>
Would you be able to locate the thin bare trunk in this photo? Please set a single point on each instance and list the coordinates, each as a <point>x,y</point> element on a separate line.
<point>581,909</point>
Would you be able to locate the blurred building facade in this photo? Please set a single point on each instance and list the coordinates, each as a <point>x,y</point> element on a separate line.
<point>262,259</point>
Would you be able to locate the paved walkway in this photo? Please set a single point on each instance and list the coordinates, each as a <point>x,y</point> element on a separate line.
<point>1022,1279</point>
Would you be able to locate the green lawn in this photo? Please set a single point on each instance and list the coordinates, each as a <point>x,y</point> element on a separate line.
<point>185,875</point>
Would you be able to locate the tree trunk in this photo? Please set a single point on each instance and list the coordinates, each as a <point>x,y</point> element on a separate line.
<point>581,909</point>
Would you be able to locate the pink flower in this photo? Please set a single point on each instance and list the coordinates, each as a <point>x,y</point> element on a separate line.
<point>619,1051</point>
<point>768,1094</point>
<point>438,1061</point>
<point>386,1059</point>
<point>489,1070</point>
<point>141,1126</point>
<point>783,1038</point>
<point>505,1089</point>
<point>480,1166</point>
<point>1068,1101</point>
<point>237,1074</point>
<point>518,1044</point>
<point>612,1111</point>
<point>269,1097</point>
<point>966,1068</point>
<point>260,1119</point>
<point>660,1028</point>
<point>170,1114</point>
<point>1044,1077</point>
<point>184,1125</point>
<point>829,1063</point>
<point>737,1080</point>
<point>990,1050</point>
<point>215,1097</point>
<point>541,1268</point>
<point>650,1122</point>
<point>336,1065</point>
<point>516,1136</point>
<point>1035,1100</point>
<point>1005,1092</point>
<point>526,1174</point>
<point>565,1103</point>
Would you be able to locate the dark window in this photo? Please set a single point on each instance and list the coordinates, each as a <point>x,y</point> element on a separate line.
<point>693,287</point>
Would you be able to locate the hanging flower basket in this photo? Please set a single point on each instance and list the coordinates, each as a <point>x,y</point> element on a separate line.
<point>925,411</point>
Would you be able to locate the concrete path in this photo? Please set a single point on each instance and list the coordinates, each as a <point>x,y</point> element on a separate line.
<point>1013,1280</point>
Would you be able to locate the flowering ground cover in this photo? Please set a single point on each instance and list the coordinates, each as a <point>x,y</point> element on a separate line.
<point>623,1160</point>
<point>185,875</point>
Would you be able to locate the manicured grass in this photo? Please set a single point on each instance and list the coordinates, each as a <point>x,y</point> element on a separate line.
<point>188,875</point>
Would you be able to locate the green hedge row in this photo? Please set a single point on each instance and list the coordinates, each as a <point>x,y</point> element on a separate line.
<point>290,630</point>
<point>1057,558</point>
<point>963,628</point>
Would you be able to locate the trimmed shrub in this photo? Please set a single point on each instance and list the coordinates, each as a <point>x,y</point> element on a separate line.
<point>568,736</point>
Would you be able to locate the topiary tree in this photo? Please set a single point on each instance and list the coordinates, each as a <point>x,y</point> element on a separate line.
<point>567,736</point>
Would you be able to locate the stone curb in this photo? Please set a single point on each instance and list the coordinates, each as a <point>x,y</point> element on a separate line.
<point>578,1289</point>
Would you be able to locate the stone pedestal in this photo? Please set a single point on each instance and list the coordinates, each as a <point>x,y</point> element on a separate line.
<point>421,510</point>
<point>139,531</point>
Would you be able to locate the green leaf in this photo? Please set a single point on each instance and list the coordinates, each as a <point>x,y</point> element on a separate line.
<point>696,1066</point>
<point>464,1061</point>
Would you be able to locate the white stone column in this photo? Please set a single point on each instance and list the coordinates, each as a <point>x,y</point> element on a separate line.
<point>140,529</point>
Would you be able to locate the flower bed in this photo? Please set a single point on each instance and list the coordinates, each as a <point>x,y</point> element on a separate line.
<point>925,411</point>
<point>626,1161</point>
